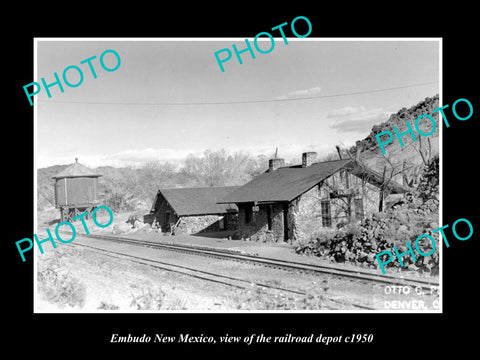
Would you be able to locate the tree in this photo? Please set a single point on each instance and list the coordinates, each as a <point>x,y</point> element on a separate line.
<point>154,175</point>
<point>428,189</point>
<point>388,168</point>
<point>218,168</point>
<point>258,166</point>
<point>119,189</point>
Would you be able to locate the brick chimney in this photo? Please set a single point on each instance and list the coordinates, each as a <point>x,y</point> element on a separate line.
<point>308,158</point>
<point>274,164</point>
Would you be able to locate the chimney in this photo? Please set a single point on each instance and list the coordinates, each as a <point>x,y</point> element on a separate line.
<point>308,158</point>
<point>274,164</point>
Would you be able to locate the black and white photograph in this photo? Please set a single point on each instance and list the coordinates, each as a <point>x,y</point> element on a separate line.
<point>248,189</point>
<point>225,180</point>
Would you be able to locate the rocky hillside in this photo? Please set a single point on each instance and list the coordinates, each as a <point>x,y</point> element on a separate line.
<point>399,119</point>
<point>403,164</point>
<point>358,243</point>
<point>415,165</point>
<point>45,183</point>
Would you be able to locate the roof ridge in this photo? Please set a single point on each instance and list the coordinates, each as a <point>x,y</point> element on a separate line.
<point>315,163</point>
<point>198,200</point>
<point>200,187</point>
<point>283,186</point>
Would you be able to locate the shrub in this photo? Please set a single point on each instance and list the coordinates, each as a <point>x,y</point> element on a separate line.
<point>259,298</point>
<point>61,289</point>
<point>359,243</point>
<point>57,286</point>
<point>148,300</point>
<point>105,306</point>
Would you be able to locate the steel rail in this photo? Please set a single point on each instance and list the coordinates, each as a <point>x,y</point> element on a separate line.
<point>209,276</point>
<point>425,284</point>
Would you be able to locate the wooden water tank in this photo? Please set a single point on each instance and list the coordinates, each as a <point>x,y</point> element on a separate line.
<point>76,190</point>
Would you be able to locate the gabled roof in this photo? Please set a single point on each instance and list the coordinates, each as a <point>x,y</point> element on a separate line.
<point>287,183</point>
<point>198,201</point>
<point>75,170</point>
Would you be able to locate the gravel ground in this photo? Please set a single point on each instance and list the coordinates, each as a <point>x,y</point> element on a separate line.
<point>96,282</point>
<point>113,284</point>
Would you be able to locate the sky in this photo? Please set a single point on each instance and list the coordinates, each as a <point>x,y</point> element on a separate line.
<point>169,98</point>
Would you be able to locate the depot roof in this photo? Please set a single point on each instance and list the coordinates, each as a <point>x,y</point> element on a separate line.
<point>287,183</point>
<point>198,201</point>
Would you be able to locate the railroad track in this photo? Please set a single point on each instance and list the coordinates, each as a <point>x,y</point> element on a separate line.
<point>355,275</point>
<point>218,278</point>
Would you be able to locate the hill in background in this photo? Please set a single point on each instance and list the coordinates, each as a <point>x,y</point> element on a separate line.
<point>129,189</point>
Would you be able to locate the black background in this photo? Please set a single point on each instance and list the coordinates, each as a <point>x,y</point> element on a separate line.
<point>89,334</point>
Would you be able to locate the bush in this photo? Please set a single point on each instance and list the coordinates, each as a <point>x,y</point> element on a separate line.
<point>359,243</point>
<point>105,306</point>
<point>260,299</point>
<point>57,287</point>
<point>148,300</point>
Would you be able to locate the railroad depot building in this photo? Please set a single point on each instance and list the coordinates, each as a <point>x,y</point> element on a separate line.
<point>289,203</point>
<point>193,210</point>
